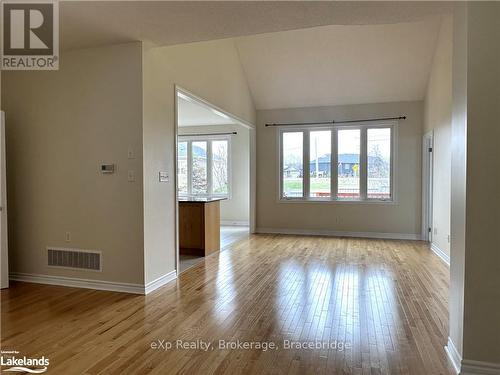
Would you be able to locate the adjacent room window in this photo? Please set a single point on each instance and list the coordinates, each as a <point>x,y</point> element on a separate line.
<point>220,181</point>
<point>182,168</point>
<point>203,166</point>
<point>338,163</point>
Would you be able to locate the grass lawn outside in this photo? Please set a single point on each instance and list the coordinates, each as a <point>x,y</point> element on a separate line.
<point>293,186</point>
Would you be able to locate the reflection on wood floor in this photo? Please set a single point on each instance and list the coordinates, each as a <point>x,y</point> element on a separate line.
<point>228,236</point>
<point>385,300</point>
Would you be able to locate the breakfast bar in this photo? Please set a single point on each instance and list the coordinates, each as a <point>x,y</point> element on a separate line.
<point>199,225</point>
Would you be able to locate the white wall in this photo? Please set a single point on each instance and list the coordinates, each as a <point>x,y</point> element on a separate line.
<point>475,207</point>
<point>403,218</point>
<point>60,126</point>
<point>482,239</point>
<point>437,118</point>
<point>210,70</point>
<point>236,209</point>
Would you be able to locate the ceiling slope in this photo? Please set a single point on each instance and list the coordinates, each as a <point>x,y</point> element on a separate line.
<point>335,65</point>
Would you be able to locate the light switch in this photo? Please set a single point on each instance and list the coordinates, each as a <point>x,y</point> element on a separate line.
<point>131,154</point>
<point>107,168</point>
<point>131,176</point>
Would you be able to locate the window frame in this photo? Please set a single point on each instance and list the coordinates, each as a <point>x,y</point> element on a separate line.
<point>363,183</point>
<point>209,139</point>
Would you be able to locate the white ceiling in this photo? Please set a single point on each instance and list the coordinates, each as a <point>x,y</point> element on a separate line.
<point>294,53</point>
<point>335,65</point>
<point>92,23</point>
<point>191,113</point>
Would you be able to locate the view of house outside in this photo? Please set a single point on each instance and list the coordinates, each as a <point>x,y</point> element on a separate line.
<point>348,168</point>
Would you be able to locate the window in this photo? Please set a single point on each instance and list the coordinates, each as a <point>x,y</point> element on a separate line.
<point>220,182</point>
<point>348,162</point>
<point>320,159</point>
<point>293,181</point>
<point>203,166</point>
<point>341,163</point>
<point>182,168</point>
<point>379,163</point>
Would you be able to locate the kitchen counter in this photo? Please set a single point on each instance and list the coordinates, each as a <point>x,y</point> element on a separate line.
<point>199,225</point>
<point>194,198</point>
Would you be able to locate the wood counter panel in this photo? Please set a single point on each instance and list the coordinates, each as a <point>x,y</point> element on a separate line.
<point>199,227</point>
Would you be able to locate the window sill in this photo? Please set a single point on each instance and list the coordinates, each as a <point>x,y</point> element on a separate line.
<point>339,201</point>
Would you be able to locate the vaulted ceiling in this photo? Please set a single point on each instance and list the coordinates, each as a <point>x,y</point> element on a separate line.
<point>92,23</point>
<point>294,53</point>
<point>334,65</point>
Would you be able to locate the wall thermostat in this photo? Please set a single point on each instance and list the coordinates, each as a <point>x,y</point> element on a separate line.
<point>163,176</point>
<point>107,168</point>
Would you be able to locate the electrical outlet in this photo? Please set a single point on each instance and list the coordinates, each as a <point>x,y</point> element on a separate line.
<point>131,176</point>
<point>68,237</point>
<point>130,154</point>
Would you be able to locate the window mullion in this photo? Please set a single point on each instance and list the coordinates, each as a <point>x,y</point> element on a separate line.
<point>209,168</point>
<point>334,178</point>
<point>189,167</point>
<point>280,150</point>
<point>363,183</point>
<point>305,166</point>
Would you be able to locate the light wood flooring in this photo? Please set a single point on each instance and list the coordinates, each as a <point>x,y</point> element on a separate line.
<point>386,300</point>
<point>228,236</point>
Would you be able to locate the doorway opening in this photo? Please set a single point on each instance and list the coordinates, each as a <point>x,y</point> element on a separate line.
<point>213,179</point>
<point>427,183</point>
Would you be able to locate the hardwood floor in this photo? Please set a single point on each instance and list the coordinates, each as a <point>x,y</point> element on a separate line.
<point>387,300</point>
<point>228,235</point>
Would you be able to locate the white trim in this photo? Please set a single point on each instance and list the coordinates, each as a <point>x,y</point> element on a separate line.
<point>236,223</point>
<point>363,162</point>
<point>470,367</point>
<point>159,282</point>
<point>95,284</point>
<point>453,355</point>
<point>333,233</point>
<point>440,253</point>
<point>337,201</point>
<point>78,283</point>
<point>253,178</point>
<point>207,104</point>
<point>427,185</point>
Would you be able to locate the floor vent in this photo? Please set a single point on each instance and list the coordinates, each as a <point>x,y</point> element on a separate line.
<point>74,258</point>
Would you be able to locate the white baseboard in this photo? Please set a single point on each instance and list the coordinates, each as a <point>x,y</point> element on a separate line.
<point>453,355</point>
<point>95,284</point>
<point>79,283</point>
<point>236,223</point>
<point>440,253</point>
<point>159,282</point>
<point>470,367</point>
<point>313,232</point>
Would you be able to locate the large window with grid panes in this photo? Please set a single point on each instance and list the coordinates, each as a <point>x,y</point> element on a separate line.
<point>338,163</point>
